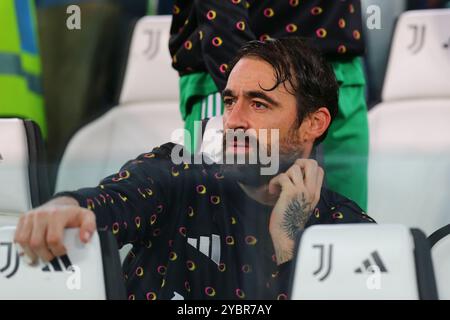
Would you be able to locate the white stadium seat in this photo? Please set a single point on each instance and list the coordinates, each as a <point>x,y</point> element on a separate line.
<point>23,176</point>
<point>409,159</point>
<point>103,146</point>
<point>88,271</point>
<point>420,57</point>
<point>363,262</point>
<point>146,117</point>
<point>440,242</point>
<point>149,75</point>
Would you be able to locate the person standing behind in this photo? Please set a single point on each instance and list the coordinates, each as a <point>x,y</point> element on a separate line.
<point>206,34</point>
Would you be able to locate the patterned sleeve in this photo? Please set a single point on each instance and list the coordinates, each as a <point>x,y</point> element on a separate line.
<point>133,203</point>
<point>225,27</point>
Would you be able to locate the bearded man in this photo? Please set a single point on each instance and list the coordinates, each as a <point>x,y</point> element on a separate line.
<point>217,231</point>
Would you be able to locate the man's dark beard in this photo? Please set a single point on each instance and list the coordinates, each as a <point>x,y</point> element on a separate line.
<point>250,174</point>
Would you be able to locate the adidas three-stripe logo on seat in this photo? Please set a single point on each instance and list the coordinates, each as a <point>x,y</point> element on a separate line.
<point>368,264</point>
<point>57,267</point>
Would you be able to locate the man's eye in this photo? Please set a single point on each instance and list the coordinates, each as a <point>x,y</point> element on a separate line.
<point>259,105</point>
<point>227,101</point>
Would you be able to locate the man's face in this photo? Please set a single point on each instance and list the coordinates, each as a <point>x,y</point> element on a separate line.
<point>249,106</point>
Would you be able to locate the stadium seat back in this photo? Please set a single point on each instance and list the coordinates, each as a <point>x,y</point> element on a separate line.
<point>149,75</point>
<point>23,174</point>
<point>88,271</point>
<point>363,262</point>
<point>440,242</point>
<point>409,165</point>
<point>102,147</point>
<point>419,63</point>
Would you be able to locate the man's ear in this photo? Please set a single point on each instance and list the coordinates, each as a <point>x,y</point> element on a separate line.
<point>315,124</point>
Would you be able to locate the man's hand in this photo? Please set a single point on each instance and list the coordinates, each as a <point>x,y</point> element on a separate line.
<point>40,232</point>
<point>299,192</point>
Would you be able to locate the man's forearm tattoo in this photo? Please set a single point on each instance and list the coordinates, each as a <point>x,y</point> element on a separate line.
<point>296,216</point>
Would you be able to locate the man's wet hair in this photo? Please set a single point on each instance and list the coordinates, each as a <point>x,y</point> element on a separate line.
<point>297,63</point>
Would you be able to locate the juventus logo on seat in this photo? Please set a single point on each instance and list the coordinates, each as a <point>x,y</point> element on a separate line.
<point>153,43</point>
<point>368,264</point>
<point>56,266</point>
<point>11,263</point>
<point>325,262</point>
<point>204,247</point>
<point>418,38</point>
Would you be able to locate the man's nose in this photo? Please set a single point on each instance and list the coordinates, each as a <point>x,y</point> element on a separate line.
<point>237,117</point>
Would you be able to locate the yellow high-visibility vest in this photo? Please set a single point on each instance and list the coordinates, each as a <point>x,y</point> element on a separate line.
<point>20,67</point>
